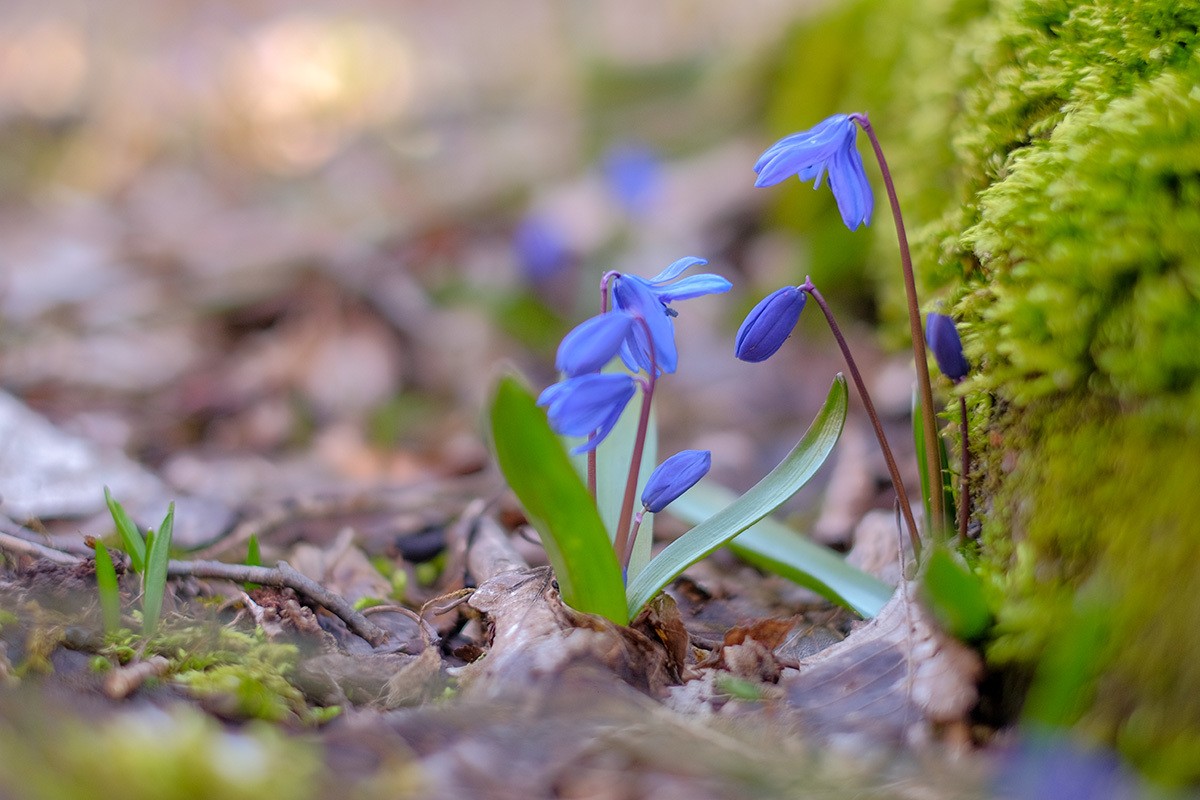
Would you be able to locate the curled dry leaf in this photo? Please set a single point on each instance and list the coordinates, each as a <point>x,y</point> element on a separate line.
<point>893,678</point>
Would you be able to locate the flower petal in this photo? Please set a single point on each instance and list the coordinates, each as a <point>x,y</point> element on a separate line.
<point>593,343</point>
<point>694,286</point>
<point>585,404</point>
<point>635,296</point>
<point>848,182</point>
<point>676,269</point>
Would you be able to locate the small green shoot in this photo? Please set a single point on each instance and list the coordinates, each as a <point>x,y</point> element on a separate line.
<point>131,540</point>
<point>110,592</point>
<point>922,462</point>
<point>253,559</point>
<point>154,583</point>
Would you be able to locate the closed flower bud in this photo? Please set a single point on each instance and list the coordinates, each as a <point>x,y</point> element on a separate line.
<point>769,324</point>
<point>942,338</point>
<point>673,477</point>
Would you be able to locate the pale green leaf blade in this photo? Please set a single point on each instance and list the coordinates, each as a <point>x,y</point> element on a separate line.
<point>131,540</point>
<point>557,503</point>
<point>766,496</point>
<point>773,546</point>
<point>110,592</point>
<point>158,553</point>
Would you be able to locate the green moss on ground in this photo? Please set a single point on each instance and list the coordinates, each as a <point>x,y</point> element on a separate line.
<point>1048,157</point>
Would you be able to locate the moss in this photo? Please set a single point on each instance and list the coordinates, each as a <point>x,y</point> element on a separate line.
<point>1047,154</point>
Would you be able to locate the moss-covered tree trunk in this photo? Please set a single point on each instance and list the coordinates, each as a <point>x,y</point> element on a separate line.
<point>1049,154</point>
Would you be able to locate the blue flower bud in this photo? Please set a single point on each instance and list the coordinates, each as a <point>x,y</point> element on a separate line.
<point>587,404</point>
<point>769,324</point>
<point>829,147</point>
<point>942,338</point>
<point>673,477</point>
<point>593,343</point>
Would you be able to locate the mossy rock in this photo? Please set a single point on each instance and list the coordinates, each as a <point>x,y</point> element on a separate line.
<point>1048,157</point>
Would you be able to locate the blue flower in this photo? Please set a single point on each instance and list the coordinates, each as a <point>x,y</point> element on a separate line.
<point>942,338</point>
<point>593,343</point>
<point>634,175</point>
<point>769,324</point>
<point>649,300</point>
<point>541,248</point>
<point>828,147</point>
<point>587,404</point>
<point>673,477</point>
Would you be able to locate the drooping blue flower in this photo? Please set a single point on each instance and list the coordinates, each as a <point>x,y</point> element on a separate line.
<point>827,147</point>
<point>587,404</point>
<point>769,324</point>
<point>675,476</point>
<point>649,299</point>
<point>942,338</point>
<point>593,343</point>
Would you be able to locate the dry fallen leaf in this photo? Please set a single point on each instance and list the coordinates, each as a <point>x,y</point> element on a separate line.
<point>893,678</point>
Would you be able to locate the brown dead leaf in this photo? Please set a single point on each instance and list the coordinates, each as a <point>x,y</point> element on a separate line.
<point>384,681</point>
<point>535,636</point>
<point>893,678</point>
<point>342,568</point>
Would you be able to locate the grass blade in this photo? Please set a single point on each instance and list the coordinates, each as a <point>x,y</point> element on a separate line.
<point>131,540</point>
<point>253,559</point>
<point>766,496</point>
<point>154,583</point>
<point>557,503</point>
<point>110,592</point>
<point>922,464</point>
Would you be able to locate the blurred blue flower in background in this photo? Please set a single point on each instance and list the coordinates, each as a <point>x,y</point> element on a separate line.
<point>633,174</point>
<point>827,147</point>
<point>541,248</point>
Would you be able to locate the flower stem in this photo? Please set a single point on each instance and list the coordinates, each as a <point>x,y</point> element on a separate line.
<point>627,554</point>
<point>893,469</point>
<point>622,541</point>
<point>929,423</point>
<point>964,485</point>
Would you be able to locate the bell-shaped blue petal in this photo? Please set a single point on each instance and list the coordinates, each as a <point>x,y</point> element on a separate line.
<point>693,286</point>
<point>676,269</point>
<point>942,338</point>
<point>637,298</point>
<point>673,477</point>
<point>827,147</point>
<point>769,324</point>
<point>593,343</point>
<point>588,404</point>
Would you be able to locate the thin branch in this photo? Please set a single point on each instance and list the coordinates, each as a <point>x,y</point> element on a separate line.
<point>12,543</point>
<point>283,575</point>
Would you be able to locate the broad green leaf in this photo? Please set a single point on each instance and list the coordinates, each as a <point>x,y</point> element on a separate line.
<point>955,595</point>
<point>154,585</point>
<point>612,471</point>
<point>775,547</point>
<point>766,496</point>
<point>557,503</point>
<point>110,592</point>
<point>131,540</point>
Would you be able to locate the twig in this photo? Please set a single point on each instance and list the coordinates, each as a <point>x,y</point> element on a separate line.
<point>12,543</point>
<point>283,575</point>
<point>123,681</point>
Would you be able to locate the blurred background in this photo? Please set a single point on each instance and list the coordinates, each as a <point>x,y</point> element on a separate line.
<point>268,246</point>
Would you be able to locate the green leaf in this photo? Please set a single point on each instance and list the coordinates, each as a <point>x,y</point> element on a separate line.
<point>557,503</point>
<point>131,540</point>
<point>766,496</point>
<point>955,595</point>
<point>253,559</point>
<point>154,582</point>
<point>922,464</point>
<point>110,592</point>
